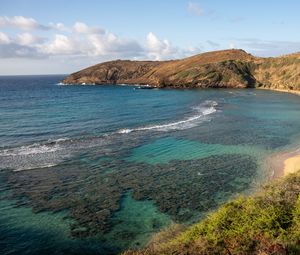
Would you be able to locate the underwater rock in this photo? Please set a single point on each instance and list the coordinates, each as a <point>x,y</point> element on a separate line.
<point>92,196</point>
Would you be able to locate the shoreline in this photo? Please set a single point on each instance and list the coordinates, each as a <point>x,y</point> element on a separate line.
<point>290,91</point>
<point>295,92</point>
<point>292,164</point>
<point>283,163</point>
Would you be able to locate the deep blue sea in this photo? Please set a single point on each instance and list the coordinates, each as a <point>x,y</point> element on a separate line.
<point>100,169</point>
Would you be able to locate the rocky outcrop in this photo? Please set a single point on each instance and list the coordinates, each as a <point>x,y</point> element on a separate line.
<point>119,71</point>
<point>218,69</point>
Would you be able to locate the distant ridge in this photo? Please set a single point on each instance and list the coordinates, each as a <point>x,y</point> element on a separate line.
<point>234,68</point>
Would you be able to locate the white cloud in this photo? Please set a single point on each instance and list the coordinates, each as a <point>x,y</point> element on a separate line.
<point>21,22</point>
<point>195,9</point>
<point>105,45</point>
<point>4,39</point>
<point>82,28</point>
<point>22,46</point>
<point>28,23</point>
<point>29,39</point>
<point>61,45</point>
<point>158,49</point>
<point>14,50</point>
<point>93,45</point>
<point>59,26</point>
<point>110,44</point>
<point>82,41</point>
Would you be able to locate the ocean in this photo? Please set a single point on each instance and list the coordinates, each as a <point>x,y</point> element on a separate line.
<point>100,169</point>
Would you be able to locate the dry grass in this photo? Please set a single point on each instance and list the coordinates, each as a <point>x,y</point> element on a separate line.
<point>218,69</point>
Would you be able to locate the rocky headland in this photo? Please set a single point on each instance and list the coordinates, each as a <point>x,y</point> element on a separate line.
<point>218,69</point>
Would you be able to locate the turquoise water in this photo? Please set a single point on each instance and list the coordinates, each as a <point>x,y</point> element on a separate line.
<point>167,149</point>
<point>99,169</point>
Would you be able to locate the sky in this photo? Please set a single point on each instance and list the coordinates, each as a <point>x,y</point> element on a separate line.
<point>63,36</point>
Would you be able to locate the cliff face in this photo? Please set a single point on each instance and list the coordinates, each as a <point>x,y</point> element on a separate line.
<point>226,69</point>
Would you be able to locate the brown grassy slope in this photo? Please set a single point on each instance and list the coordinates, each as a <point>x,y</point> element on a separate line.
<point>279,73</point>
<point>226,68</point>
<point>118,71</point>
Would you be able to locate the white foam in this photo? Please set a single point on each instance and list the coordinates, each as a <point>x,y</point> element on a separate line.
<point>33,156</point>
<point>46,154</point>
<point>207,108</point>
<point>36,148</point>
<point>53,152</point>
<point>28,150</point>
<point>34,167</point>
<point>125,131</point>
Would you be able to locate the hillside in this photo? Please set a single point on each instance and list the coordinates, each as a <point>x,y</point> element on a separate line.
<point>267,223</point>
<point>221,69</point>
<point>279,73</point>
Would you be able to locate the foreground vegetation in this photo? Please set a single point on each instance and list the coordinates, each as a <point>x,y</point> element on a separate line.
<point>267,223</point>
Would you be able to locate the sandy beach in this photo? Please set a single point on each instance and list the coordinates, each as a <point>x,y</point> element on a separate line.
<point>291,165</point>
<point>284,163</point>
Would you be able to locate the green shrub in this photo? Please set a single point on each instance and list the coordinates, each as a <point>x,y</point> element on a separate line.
<point>267,223</point>
<point>267,76</point>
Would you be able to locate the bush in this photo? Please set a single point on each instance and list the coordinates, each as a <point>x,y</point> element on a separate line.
<point>267,223</point>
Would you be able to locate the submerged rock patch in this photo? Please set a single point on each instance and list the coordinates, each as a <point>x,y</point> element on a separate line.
<point>180,188</point>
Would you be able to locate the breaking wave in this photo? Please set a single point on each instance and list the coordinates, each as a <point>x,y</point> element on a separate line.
<point>53,152</point>
<point>37,155</point>
<point>35,148</point>
<point>200,112</point>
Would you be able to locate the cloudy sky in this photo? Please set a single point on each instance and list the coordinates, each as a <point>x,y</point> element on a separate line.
<point>62,36</point>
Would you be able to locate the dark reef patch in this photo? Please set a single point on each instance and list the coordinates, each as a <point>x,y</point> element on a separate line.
<point>92,194</point>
